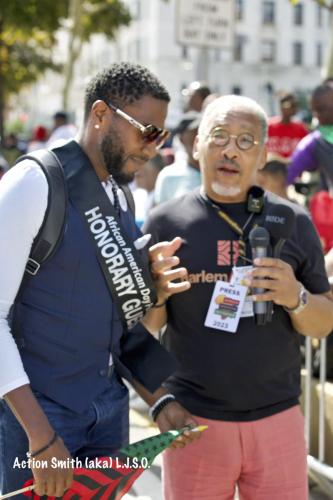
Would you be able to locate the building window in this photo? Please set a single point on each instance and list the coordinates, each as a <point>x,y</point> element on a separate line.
<point>319,16</point>
<point>268,48</point>
<point>319,55</point>
<point>184,49</point>
<point>298,53</point>
<point>236,90</point>
<point>239,10</point>
<point>268,12</point>
<point>239,48</point>
<point>298,14</point>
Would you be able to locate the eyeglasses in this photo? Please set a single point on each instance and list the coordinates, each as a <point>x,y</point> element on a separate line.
<point>221,138</point>
<point>149,133</point>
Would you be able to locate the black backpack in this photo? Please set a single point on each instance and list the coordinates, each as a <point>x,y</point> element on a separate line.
<point>52,229</point>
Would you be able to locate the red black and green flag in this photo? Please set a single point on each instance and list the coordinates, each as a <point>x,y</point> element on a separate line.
<point>109,478</point>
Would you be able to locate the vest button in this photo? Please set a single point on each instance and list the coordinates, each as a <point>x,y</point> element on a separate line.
<point>103,373</point>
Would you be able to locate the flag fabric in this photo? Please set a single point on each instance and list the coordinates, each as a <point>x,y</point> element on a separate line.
<point>109,478</point>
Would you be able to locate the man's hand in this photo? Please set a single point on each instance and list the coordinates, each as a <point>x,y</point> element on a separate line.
<point>162,262</point>
<point>50,480</point>
<point>174,416</point>
<point>278,279</point>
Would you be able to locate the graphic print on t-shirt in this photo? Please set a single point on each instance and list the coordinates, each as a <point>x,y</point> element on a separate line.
<point>227,252</point>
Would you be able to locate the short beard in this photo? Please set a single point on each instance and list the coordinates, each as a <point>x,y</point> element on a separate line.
<point>229,192</point>
<point>113,157</point>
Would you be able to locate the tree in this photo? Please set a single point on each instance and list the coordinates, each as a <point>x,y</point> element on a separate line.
<point>328,68</point>
<point>85,19</point>
<point>27,30</point>
<point>27,36</point>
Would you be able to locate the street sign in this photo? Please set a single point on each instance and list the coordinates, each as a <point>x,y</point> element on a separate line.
<point>205,23</point>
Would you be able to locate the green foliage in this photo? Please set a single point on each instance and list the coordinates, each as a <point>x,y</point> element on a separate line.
<point>327,4</point>
<point>27,36</point>
<point>27,30</point>
<point>102,16</point>
<point>24,57</point>
<point>30,14</point>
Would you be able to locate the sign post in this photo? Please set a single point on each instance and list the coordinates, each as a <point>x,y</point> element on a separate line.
<point>205,23</point>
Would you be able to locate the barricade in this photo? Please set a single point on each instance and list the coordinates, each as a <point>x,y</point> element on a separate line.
<point>318,413</point>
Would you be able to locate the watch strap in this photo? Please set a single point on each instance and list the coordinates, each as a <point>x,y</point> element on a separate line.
<point>302,302</point>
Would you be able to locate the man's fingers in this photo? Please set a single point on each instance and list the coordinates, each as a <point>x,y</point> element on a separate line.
<point>173,274</point>
<point>41,487</point>
<point>192,436</point>
<point>168,285</point>
<point>268,284</point>
<point>270,262</point>
<point>60,488</point>
<point>165,248</point>
<point>268,272</point>
<point>51,488</point>
<point>69,480</point>
<point>163,263</point>
<point>264,297</point>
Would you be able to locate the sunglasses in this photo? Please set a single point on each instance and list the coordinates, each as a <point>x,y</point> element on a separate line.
<point>149,133</point>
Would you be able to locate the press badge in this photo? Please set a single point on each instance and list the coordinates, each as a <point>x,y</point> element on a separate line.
<point>226,306</point>
<point>237,277</point>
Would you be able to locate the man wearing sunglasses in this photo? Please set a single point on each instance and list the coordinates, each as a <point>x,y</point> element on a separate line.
<point>72,320</point>
<point>238,377</point>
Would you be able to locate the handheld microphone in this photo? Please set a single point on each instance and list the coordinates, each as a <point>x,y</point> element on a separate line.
<point>259,241</point>
<point>279,221</point>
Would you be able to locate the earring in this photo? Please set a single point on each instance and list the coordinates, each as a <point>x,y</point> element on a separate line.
<point>96,126</point>
<point>196,155</point>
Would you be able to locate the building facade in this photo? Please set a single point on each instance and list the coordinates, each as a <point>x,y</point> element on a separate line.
<point>277,47</point>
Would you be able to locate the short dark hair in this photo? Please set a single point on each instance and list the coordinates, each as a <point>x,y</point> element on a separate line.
<point>275,168</point>
<point>121,84</point>
<point>61,115</point>
<point>324,88</point>
<point>203,92</point>
<point>287,97</point>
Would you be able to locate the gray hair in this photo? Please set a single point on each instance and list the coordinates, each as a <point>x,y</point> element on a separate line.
<point>227,102</point>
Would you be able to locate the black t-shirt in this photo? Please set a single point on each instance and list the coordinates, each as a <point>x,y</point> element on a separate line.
<point>254,372</point>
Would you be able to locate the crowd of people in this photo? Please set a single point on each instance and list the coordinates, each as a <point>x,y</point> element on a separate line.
<point>231,314</point>
<point>41,137</point>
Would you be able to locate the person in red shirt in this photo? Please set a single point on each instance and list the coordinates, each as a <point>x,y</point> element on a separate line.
<point>284,133</point>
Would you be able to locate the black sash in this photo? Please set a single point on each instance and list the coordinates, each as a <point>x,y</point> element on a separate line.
<point>127,277</point>
<point>141,356</point>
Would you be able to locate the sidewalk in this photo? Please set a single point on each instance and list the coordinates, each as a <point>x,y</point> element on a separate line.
<point>148,486</point>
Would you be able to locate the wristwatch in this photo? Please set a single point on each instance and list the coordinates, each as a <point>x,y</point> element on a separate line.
<point>302,302</point>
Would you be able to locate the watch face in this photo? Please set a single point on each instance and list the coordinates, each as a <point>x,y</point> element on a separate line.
<point>304,298</point>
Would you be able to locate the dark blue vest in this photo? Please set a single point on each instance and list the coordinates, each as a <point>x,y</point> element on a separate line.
<point>65,321</point>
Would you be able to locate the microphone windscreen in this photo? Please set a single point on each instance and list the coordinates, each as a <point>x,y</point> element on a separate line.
<point>279,221</point>
<point>259,237</point>
<point>255,199</point>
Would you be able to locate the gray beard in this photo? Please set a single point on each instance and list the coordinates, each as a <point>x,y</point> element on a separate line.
<point>225,190</point>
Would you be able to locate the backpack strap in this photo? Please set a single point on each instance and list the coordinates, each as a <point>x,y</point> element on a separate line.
<point>52,229</point>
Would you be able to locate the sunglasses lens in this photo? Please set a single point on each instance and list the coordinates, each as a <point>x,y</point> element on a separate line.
<point>154,134</point>
<point>162,138</point>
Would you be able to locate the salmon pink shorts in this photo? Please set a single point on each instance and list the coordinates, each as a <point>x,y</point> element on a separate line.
<point>265,459</point>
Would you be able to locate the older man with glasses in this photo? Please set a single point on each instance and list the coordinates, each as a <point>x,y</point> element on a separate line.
<point>62,395</point>
<point>240,369</point>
